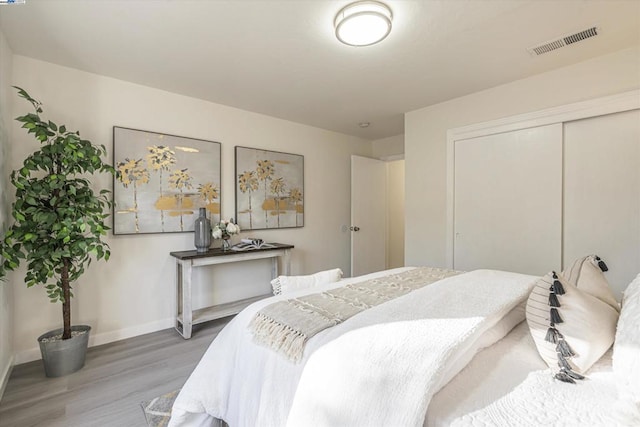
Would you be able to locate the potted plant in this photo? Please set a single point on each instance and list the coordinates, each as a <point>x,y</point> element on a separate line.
<point>58,226</point>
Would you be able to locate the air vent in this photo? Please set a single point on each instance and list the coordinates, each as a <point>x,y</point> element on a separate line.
<point>564,41</point>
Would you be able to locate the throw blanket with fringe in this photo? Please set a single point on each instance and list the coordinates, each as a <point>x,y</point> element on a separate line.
<point>286,326</point>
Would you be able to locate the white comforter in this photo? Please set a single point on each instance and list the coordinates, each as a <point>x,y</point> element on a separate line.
<point>509,385</point>
<point>541,400</point>
<point>381,367</point>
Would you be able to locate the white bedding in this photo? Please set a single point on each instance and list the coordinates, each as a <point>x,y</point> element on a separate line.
<point>508,384</point>
<point>246,384</point>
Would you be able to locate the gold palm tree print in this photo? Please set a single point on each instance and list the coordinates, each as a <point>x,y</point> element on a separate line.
<point>295,195</point>
<point>180,180</point>
<point>278,188</point>
<point>131,172</point>
<point>208,193</point>
<point>248,183</point>
<point>265,171</point>
<point>160,158</point>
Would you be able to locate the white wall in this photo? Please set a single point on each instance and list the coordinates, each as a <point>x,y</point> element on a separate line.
<point>134,292</point>
<point>6,309</point>
<point>388,148</point>
<point>395,214</point>
<point>426,136</point>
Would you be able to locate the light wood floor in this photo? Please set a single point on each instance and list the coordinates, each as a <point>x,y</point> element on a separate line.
<point>109,389</point>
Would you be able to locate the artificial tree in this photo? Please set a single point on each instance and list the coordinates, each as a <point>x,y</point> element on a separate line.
<point>59,220</point>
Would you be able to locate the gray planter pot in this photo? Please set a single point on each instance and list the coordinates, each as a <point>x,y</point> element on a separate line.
<point>63,357</point>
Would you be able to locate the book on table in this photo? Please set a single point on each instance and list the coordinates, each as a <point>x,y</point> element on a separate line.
<point>251,243</point>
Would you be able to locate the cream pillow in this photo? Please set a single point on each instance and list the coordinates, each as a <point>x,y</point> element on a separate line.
<point>587,274</point>
<point>626,350</point>
<point>285,284</point>
<point>571,328</point>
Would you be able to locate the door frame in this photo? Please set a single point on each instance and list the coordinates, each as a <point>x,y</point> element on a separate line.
<point>624,101</point>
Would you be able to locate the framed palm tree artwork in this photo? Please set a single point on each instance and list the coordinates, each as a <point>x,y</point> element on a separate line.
<point>269,189</point>
<point>162,181</point>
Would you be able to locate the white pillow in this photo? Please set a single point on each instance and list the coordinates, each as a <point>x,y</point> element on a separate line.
<point>626,350</point>
<point>587,274</point>
<point>585,323</point>
<point>285,284</point>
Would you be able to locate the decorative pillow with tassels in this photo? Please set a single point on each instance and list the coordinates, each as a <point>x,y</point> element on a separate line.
<point>587,274</point>
<point>571,328</point>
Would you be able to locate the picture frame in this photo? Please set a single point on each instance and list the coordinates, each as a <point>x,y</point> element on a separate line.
<point>269,189</point>
<point>162,180</point>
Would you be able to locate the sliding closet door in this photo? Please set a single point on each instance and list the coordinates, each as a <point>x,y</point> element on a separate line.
<point>508,201</point>
<point>602,193</point>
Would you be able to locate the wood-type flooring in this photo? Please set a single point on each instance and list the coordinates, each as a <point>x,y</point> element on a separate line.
<point>108,391</point>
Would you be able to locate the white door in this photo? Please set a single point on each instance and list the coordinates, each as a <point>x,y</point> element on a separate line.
<point>508,201</point>
<point>368,215</point>
<point>602,193</point>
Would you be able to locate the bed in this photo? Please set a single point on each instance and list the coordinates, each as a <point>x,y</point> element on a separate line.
<point>387,366</point>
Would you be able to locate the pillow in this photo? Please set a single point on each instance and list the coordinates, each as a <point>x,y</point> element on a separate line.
<point>285,284</point>
<point>571,328</point>
<point>626,350</point>
<point>586,274</point>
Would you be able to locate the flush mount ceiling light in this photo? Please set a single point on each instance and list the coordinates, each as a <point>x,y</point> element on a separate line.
<point>363,23</point>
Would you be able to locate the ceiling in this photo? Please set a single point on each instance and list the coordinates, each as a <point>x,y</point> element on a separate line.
<point>281,58</point>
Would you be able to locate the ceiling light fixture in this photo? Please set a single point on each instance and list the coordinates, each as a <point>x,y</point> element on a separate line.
<point>363,23</point>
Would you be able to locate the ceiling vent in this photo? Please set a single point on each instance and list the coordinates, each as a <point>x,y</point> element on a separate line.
<point>564,41</point>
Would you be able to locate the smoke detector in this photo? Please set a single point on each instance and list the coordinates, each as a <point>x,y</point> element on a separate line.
<point>563,41</point>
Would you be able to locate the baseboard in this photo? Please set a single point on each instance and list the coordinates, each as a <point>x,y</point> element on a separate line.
<point>4,378</point>
<point>134,331</point>
<point>103,338</point>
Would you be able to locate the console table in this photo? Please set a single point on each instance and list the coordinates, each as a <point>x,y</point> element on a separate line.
<point>186,261</point>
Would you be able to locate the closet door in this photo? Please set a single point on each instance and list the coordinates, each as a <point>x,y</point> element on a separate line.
<point>602,193</point>
<point>508,201</point>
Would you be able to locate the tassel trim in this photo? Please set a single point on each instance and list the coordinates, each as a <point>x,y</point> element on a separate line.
<point>574,375</point>
<point>601,264</point>
<point>552,335</point>
<point>555,316</point>
<point>563,363</point>
<point>564,349</point>
<point>568,376</point>
<point>280,337</point>
<point>564,377</point>
<point>557,287</point>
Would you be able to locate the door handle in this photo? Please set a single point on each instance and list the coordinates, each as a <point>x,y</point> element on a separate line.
<point>354,228</point>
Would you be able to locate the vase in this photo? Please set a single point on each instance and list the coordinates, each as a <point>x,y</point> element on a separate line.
<point>202,232</point>
<point>226,245</point>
